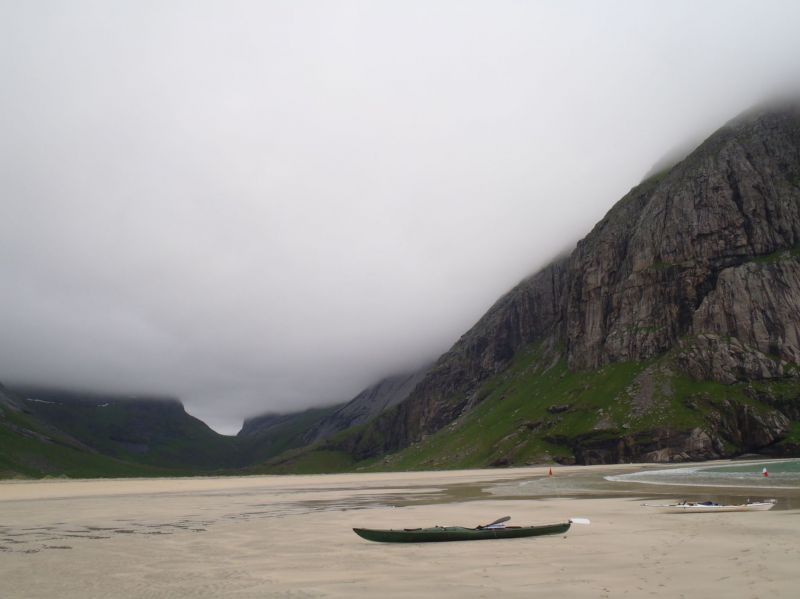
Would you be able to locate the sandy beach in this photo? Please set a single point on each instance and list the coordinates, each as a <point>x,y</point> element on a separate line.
<point>291,536</point>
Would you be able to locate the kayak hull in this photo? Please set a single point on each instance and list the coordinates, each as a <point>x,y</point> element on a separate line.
<point>457,533</point>
<point>699,508</point>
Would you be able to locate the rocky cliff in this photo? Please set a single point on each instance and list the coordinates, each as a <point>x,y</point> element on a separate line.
<point>669,256</point>
<point>268,435</point>
<point>699,264</point>
<point>365,406</point>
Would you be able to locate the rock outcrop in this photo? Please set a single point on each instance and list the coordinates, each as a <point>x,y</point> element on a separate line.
<point>371,402</point>
<point>638,282</point>
<point>701,260</point>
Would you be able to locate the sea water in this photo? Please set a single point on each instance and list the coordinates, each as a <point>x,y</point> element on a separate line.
<point>780,474</point>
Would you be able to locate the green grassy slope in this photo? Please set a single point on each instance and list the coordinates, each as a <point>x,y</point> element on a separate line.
<point>539,411</point>
<point>150,432</point>
<point>306,460</point>
<point>534,414</point>
<point>535,411</point>
<point>285,435</point>
<point>512,424</point>
<point>58,433</point>
<point>31,449</point>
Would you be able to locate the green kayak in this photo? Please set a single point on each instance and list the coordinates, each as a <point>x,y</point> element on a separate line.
<point>458,533</point>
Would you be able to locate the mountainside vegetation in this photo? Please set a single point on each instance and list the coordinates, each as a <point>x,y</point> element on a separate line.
<point>152,431</point>
<point>264,437</point>
<point>53,432</point>
<point>31,448</point>
<point>671,332</point>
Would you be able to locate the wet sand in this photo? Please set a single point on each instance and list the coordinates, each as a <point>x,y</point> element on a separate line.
<point>291,536</point>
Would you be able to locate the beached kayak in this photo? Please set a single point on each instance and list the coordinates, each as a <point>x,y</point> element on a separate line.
<point>706,507</point>
<point>458,533</point>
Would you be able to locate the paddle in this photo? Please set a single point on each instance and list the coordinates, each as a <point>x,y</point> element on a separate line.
<point>498,521</point>
<point>580,520</point>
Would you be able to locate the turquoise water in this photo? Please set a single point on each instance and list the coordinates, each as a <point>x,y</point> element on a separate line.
<point>784,469</point>
<point>782,474</point>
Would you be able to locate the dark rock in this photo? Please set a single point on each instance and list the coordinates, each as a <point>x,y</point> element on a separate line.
<point>368,404</point>
<point>725,359</point>
<point>701,260</point>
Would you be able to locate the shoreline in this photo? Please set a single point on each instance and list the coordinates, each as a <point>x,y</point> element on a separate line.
<point>12,488</point>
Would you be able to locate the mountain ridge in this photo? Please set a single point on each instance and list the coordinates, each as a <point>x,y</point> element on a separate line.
<point>641,284</point>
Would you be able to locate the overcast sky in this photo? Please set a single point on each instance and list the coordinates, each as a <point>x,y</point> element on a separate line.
<point>268,205</point>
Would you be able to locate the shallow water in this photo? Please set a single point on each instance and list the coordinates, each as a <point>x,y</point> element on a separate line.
<point>722,483</point>
<point>781,475</point>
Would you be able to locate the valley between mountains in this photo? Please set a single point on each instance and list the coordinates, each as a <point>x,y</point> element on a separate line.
<point>670,333</point>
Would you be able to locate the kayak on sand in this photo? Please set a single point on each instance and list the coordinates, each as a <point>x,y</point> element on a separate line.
<point>495,530</point>
<point>706,507</point>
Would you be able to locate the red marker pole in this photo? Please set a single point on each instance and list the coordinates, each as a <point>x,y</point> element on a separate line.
<point>550,472</point>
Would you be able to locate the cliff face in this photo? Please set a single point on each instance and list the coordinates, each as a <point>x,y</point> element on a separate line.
<point>701,261</point>
<point>368,404</point>
<point>667,258</point>
<point>531,311</point>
